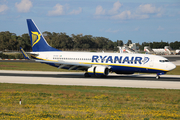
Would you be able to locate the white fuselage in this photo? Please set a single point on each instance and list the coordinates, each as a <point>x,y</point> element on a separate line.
<point>149,62</point>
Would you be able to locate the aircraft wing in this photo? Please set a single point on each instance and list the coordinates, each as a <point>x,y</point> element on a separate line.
<point>69,65</point>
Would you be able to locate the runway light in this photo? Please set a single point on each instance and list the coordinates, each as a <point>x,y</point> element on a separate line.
<point>20,101</point>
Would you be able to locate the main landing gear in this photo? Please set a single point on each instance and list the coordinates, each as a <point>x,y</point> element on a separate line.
<point>157,77</point>
<point>86,75</point>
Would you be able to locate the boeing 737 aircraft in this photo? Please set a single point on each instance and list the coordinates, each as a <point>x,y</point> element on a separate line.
<point>98,64</point>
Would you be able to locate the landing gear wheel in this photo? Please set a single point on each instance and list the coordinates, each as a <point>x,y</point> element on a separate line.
<point>86,75</point>
<point>157,77</point>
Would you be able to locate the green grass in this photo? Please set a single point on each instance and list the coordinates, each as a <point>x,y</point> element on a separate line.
<point>28,66</point>
<point>45,67</point>
<point>82,102</point>
<point>176,71</point>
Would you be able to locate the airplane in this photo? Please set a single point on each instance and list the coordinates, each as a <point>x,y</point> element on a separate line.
<point>98,64</point>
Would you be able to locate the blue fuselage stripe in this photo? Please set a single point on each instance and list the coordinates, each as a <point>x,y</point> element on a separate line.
<point>133,69</point>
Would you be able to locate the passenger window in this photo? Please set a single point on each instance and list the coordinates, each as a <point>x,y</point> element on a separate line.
<point>163,60</point>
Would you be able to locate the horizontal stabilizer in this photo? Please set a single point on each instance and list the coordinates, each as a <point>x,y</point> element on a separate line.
<point>24,54</point>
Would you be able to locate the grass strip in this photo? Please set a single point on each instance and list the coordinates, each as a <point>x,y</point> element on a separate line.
<point>28,66</point>
<point>82,102</point>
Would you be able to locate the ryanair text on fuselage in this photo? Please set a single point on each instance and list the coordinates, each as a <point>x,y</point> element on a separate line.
<point>119,59</point>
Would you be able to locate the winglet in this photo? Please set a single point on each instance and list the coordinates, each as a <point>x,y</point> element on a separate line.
<point>24,54</point>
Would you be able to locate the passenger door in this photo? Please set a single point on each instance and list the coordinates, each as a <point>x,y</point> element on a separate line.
<point>151,63</point>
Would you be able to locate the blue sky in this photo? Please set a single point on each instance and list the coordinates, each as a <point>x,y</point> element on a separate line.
<point>139,21</point>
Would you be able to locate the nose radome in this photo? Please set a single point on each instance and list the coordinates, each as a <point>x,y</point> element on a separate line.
<point>174,66</point>
<point>171,66</point>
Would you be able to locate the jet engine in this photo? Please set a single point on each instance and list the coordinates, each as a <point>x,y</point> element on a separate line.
<point>98,70</point>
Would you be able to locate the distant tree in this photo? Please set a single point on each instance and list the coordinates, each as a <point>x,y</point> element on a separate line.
<point>26,39</point>
<point>159,44</point>
<point>4,40</point>
<point>129,42</point>
<point>8,41</point>
<point>175,45</point>
<point>141,47</point>
<point>48,36</point>
<point>77,41</point>
<point>13,42</point>
<point>63,41</point>
<point>120,43</point>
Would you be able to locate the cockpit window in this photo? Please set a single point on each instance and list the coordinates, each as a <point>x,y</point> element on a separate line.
<point>163,60</point>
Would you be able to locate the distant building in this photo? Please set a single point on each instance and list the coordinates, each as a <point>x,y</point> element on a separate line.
<point>132,48</point>
<point>160,51</point>
<point>177,52</point>
<point>147,49</point>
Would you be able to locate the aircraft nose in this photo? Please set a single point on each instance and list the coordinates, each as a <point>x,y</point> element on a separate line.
<point>171,66</point>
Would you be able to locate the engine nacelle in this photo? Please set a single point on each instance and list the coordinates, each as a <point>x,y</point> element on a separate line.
<point>98,70</point>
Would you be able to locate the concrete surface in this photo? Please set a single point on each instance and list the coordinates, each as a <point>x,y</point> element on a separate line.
<point>77,78</point>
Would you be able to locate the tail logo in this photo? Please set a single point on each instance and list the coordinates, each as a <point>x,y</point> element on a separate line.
<point>35,37</point>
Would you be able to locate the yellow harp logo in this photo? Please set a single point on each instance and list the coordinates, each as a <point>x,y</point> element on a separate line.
<point>35,38</point>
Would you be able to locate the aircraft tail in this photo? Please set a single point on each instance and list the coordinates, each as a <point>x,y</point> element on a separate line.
<point>38,42</point>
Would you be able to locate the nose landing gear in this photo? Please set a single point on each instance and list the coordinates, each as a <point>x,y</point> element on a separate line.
<point>158,75</point>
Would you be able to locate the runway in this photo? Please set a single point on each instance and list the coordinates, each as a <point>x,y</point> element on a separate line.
<point>77,78</point>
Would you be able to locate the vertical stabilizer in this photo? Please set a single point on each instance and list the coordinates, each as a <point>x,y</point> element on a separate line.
<point>38,43</point>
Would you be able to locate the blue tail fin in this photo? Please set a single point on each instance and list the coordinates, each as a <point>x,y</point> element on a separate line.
<point>38,42</point>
